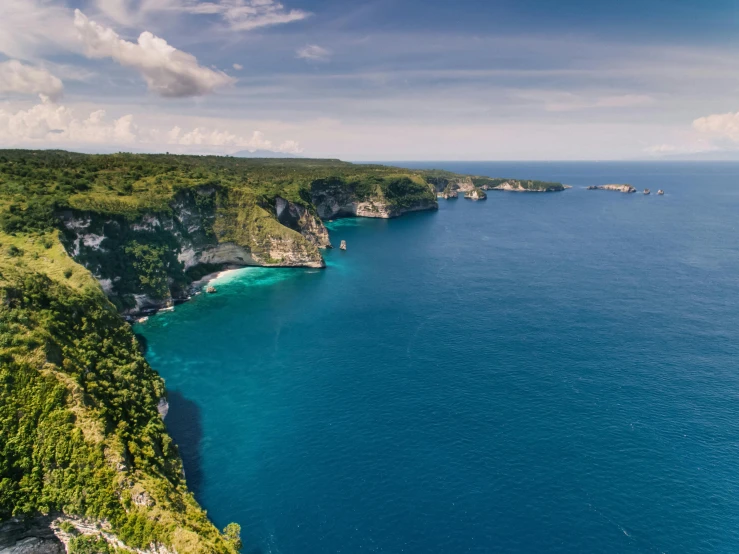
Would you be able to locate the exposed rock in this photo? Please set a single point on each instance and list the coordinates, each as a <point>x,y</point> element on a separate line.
<point>647,191</point>
<point>229,230</point>
<point>29,536</point>
<point>333,199</point>
<point>618,188</point>
<point>35,545</point>
<point>163,407</point>
<point>211,290</point>
<point>52,534</point>
<point>660,192</point>
<point>475,194</point>
<point>225,253</point>
<point>298,217</point>
<point>521,186</point>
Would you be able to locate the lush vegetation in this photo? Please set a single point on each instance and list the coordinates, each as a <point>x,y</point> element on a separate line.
<point>78,402</point>
<point>79,420</point>
<point>81,434</point>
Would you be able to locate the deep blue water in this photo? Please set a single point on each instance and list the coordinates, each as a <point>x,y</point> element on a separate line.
<point>533,373</point>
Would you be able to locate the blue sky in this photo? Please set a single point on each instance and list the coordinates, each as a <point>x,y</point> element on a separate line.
<point>383,79</point>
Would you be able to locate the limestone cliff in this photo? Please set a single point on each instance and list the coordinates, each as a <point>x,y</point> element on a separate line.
<point>513,185</point>
<point>145,262</point>
<point>334,197</point>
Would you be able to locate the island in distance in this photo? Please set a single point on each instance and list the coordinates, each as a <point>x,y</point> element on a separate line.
<point>628,189</point>
<point>448,185</point>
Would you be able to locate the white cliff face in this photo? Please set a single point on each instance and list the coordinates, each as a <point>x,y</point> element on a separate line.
<point>465,185</point>
<point>298,217</point>
<point>107,285</point>
<point>147,223</point>
<point>332,208</point>
<point>226,253</point>
<point>163,407</point>
<point>92,240</point>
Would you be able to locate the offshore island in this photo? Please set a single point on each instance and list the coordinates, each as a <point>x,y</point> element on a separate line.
<point>88,240</point>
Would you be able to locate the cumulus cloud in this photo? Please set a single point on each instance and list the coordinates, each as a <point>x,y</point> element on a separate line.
<point>313,52</point>
<point>24,79</point>
<point>204,137</point>
<point>167,71</point>
<point>239,15</point>
<point>49,123</point>
<point>720,126</point>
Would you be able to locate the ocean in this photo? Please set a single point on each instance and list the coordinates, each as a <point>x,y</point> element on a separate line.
<point>532,373</point>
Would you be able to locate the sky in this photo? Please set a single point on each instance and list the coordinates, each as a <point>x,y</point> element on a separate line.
<point>374,80</point>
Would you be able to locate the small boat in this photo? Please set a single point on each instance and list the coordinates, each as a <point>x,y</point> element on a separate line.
<point>647,191</point>
<point>342,246</point>
<point>211,290</point>
<point>660,192</point>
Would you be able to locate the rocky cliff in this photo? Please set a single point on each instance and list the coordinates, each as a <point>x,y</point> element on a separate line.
<point>145,262</point>
<point>380,198</point>
<point>512,185</point>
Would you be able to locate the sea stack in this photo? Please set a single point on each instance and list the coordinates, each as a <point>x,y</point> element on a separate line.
<point>342,246</point>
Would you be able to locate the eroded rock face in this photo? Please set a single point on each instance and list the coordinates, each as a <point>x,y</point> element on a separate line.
<point>47,534</point>
<point>475,194</point>
<point>298,217</point>
<point>34,545</point>
<point>335,200</point>
<point>332,209</point>
<point>20,536</point>
<point>203,227</point>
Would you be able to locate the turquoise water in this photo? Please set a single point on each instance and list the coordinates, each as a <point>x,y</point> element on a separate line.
<point>533,373</point>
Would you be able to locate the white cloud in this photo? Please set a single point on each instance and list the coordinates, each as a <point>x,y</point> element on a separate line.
<point>313,52</point>
<point>167,71</point>
<point>51,123</point>
<point>246,15</point>
<point>720,126</point>
<point>205,137</point>
<point>240,15</point>
<point>24,79</point>
<point>33,28</point>
<point>238,66</point>
<point>48,123</point>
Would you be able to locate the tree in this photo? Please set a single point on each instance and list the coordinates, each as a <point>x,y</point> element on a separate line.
<point>233,535</point>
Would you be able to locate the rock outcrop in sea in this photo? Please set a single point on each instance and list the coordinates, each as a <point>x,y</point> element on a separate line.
<point>628,189</point>
<point>475,194</point>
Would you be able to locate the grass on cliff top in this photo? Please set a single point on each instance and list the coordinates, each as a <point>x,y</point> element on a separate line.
<point>43,253</point>
<point>36,184</point>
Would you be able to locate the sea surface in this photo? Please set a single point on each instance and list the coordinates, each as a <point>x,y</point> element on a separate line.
<point>533,373</point>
